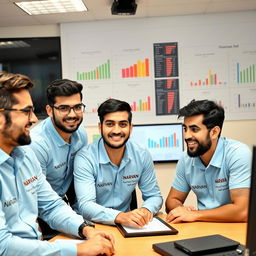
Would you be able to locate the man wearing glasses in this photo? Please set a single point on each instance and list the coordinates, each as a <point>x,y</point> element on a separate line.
<point>58,138</point>
<point>24,191</point>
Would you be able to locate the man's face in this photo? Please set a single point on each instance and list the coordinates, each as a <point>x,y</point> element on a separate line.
<point>115,129</point>
<point>196,135</point>
<point>69,122</point>
<point>16,132</point>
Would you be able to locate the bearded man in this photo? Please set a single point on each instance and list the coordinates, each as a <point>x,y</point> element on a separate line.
<point>215,168</point>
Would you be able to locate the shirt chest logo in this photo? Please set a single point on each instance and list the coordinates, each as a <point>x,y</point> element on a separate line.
<point>134,176</point>
<point>10,202</point>
<point>30,180</point>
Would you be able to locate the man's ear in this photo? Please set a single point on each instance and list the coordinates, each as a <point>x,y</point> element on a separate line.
<point>49,110</point>
<point>2,122</point>
<point>99,127</point>
<point>215,131</point>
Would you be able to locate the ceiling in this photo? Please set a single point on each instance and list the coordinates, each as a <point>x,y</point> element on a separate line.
<point>11,15</point>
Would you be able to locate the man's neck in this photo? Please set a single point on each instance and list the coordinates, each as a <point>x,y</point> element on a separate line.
<point>115,154</point>
<point>7,149</point>
<point>206,157</point>
<point>64,135</point>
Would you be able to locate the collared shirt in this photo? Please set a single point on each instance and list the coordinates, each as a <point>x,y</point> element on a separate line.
<point>25,194</point>
<point>229,168</point>
<point>55,155</point>
<point>104,190</point>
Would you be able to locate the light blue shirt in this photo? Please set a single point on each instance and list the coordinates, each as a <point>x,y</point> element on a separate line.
<point>25,194</point>
<point>229,168</point>
<point>104,190</point>
<point>55,155</point>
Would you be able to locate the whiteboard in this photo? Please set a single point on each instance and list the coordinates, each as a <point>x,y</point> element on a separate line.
<point>159,65</point>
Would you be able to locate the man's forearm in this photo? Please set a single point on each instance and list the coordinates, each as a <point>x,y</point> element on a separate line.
<point>225,213</point>
<point>171,204</point>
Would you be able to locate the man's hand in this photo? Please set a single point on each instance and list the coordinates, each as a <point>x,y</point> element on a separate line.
<point>136,218</point>
<point>90,232</point>
<point>96,245</point>
<point>182,213</point>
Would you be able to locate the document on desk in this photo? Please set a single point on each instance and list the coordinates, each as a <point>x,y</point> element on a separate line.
<point>156,227</point>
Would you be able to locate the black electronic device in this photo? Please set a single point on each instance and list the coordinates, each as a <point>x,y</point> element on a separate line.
<point>124,7</point>
<point>206,244</point>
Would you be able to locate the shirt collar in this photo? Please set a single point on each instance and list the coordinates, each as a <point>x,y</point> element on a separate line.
<point>216,159</point>
<point>53,132</point>
<point>17,152</point>
<point>103,155</point>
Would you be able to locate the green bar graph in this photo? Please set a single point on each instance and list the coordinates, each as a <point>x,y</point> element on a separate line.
<point>246,75</point>
<point>100,72</point>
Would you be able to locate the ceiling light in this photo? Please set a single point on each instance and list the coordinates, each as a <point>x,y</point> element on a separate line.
<point>51,6</point>
<point>13,44</point>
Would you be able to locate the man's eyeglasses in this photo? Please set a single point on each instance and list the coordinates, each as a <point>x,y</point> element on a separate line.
<point>65,109</point>
<point>28,110</point>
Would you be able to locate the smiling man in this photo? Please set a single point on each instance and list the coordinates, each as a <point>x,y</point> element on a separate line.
<point>24,192</point>
<point>215,168</point>
<point>107,172</point>
<point>57,139</point>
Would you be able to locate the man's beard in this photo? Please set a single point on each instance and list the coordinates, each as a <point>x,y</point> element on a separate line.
<point>24,139</point>
<point>114,146</point>
<point>62,127</point>
<point>201,149</point>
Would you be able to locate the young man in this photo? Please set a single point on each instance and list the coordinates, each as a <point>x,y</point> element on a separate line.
<point>25,193</point>
<point>215,168</point>
<point>107,172</point>
<point>57,139</point>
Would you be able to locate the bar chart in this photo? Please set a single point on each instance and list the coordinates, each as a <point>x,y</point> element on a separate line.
<point>138,69</point>
<point>211,79</point>
<point>140,105</point>
<point>100,72</point>
<point>245,103</point>
<point>245,75</point>
<point>164,142</point>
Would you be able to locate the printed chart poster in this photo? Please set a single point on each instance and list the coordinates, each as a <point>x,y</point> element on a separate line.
<point>167,96</point>
<point>166,59</point>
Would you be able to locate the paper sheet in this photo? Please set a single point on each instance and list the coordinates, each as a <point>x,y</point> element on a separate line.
<point>154,225</point>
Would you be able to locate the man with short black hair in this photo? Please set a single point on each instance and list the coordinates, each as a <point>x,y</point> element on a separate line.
<point>107,172</point>
<point>58,138</point>
<point>215,168</point>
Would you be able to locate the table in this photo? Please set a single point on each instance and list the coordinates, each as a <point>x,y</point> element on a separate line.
<point>142,246</point>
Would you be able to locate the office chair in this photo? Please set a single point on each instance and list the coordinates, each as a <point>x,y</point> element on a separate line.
<point>134,204</point>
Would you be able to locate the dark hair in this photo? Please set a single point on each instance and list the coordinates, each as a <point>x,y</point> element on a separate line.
<point>212,112</point>
<point>62,87</point>
<point>10,84</point>
<point>113,105</point>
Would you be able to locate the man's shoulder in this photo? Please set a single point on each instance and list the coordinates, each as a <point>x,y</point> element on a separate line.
<point>231,145</point>
<point>39,130</point>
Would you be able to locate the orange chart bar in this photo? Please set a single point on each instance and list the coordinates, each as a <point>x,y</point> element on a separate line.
<point>140,69</point>
<point>141,105</point>
<point>212,79</point>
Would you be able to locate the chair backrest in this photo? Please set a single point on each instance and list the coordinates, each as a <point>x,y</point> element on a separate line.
<point>133,204</point>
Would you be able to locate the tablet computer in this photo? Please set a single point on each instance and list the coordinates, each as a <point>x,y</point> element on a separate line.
<point>157,227</point>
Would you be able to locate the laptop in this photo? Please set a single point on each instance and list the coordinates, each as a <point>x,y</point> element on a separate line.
<point>171,248</point>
